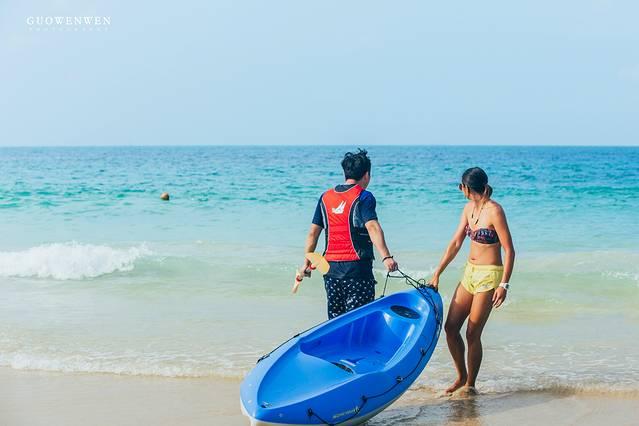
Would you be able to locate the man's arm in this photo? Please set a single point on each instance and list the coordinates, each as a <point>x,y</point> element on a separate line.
<point>311,243</point>
<point>317,224</point>
<point>376,233</point>
<point>312,237</point>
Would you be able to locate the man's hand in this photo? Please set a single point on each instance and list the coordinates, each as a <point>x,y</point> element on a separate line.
<point>305,270</point>
<point>390,264</point>
<point>499,296</point>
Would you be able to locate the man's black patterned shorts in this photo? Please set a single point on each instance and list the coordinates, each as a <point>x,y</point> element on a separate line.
<point>345,294</point>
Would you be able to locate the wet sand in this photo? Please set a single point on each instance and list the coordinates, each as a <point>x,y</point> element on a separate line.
<point>42,398</point>
<point>520,408</point>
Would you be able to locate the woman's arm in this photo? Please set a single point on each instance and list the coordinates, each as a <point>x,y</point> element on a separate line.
<point>503,232</point>
<point>452,249</point>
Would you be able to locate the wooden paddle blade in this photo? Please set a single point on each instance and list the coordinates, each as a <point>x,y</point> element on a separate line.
<point>319,262</point>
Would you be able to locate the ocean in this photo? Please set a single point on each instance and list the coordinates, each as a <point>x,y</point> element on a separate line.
<point>99,275</point>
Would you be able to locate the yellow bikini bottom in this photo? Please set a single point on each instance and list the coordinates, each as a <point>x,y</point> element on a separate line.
<point>480,278</point>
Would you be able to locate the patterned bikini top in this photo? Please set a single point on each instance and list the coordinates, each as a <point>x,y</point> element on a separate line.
<point>482,235</point>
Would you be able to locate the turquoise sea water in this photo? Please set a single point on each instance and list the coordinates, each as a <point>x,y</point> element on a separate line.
<point>97,274</point>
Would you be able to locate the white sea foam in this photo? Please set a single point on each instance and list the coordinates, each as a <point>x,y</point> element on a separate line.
<point>625,276</point>
<point>131,364</point>
<point>435,378</point>
<point>560,383</point>
<point>69,261</point>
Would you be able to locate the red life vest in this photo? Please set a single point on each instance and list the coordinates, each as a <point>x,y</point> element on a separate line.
<point>344,240</point>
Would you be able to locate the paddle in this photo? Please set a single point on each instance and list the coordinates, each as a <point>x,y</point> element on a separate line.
<point>317,262</point>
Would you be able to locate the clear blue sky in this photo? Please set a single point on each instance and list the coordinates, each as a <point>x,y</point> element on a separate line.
<point>329,72</point>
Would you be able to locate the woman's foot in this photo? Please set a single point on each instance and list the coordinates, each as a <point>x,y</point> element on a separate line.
<point>460,382</point>
<point>467,391</point>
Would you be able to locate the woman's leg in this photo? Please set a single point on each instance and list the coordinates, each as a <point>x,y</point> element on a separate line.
<point>479,312</point>
<point>459,309</point>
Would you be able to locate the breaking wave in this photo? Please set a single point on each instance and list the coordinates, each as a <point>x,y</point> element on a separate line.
<point>69,261</point>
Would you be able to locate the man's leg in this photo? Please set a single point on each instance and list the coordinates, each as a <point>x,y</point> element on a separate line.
<point>334,296</point>
<point>358,292</point>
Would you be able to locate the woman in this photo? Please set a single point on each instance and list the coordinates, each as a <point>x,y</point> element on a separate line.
<point>484,283</point>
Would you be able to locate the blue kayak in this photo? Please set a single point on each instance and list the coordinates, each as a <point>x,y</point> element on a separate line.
<point>348,369</point>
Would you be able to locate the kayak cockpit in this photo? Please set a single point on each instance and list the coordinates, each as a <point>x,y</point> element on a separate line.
<point>365,344</point>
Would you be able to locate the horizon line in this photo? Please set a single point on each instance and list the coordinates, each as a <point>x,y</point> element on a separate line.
<point>320,145</point>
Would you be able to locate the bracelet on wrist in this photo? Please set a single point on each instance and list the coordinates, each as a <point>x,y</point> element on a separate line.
<point>505,286</point>
<point>387,257</point>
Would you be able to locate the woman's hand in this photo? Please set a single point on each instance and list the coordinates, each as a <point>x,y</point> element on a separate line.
<point>499,296</point>
<point>434,281</point>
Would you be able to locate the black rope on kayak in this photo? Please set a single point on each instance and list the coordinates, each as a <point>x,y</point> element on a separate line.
<point>417,284</point>
<point>312,413</point>
<point>421,286</point>
<point>385,284</point>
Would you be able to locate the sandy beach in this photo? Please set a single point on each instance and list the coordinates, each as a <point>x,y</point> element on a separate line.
<point>43,398</point>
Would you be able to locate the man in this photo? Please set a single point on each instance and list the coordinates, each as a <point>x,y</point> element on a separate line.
<point>347,214</point>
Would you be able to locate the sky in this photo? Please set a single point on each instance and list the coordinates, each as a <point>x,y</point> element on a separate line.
<point>332,72</point>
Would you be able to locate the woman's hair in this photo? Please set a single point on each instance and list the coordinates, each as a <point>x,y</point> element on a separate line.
<point>477,181</point>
